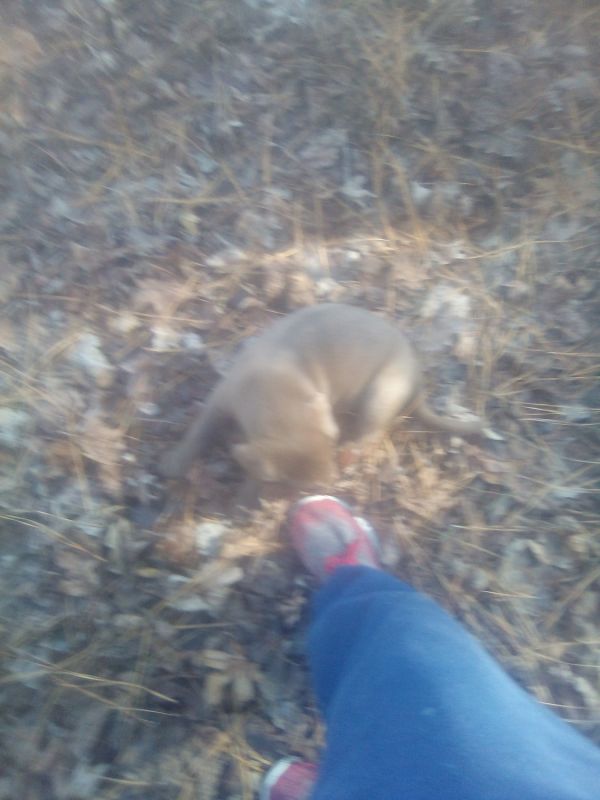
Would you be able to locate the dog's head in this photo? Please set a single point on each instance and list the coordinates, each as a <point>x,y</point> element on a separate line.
<point>303,465</point>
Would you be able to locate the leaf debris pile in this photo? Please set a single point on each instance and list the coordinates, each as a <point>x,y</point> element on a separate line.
<point>175,176</point>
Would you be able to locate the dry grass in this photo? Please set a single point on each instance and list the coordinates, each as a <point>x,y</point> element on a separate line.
<point>203,192</point>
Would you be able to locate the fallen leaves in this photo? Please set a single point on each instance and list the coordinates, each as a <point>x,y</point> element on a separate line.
<point>232,678</point>
<point>427,490</point>
<point>324,149</point>
<point>163,297</point>
<point>102,443</point>
<point>469,215</point>
<point>87,353</point>
<point>19,49</point>
<point>80,573</point>
<point>207,590</point>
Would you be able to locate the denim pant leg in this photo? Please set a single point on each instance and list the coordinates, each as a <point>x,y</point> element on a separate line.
<point>416,709</point>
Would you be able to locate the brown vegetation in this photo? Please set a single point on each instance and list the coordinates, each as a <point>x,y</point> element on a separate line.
<point>174,176</point>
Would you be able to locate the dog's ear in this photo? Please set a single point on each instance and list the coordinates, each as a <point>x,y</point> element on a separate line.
<point>254,462</point>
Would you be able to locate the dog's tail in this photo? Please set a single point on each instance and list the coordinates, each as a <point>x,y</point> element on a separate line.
<point>461,427</point>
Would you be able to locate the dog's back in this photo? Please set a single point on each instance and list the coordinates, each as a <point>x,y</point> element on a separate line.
<point>340,348</point>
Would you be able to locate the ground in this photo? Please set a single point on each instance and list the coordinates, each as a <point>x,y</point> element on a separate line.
<point>175,175</point>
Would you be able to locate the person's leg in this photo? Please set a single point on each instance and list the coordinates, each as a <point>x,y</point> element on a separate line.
<point>416,708</point>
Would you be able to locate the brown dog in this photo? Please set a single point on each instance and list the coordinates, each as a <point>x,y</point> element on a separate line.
<point>320,375</point>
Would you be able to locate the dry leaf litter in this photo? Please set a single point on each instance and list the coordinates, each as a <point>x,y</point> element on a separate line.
<point>176,175</point>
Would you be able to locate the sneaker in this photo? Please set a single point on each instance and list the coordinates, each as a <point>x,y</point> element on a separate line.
<point>327,535</point>
<point>289,779</point>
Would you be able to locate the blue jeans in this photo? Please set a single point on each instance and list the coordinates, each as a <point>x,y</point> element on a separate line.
<point>416,709</point>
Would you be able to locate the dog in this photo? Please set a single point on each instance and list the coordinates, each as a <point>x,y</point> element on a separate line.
<point>324,374</point>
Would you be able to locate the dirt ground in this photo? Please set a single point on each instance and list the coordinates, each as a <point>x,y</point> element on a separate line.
<point>177,174</point>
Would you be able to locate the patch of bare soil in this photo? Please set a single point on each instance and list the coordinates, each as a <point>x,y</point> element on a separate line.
<point>174,176</point>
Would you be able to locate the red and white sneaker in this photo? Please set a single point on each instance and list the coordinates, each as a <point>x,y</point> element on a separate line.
<point>327,535</point>
<point>289,779</point>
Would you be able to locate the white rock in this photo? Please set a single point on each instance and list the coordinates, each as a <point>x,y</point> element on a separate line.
<point>189,603</point>
<point>326,287</point>
<point>124,322</point>
<point>13,423</point>
<point>164,338</point>
<point>420,193</point>
<point>354,189</point>
<point>191,341</point>
<point>493,435</point>
<point>225,257</point>
<point>446,299</point>
<point>88,355</point>
<point>208,536</point>
<point>576,413</point>
<point>149,409</point>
